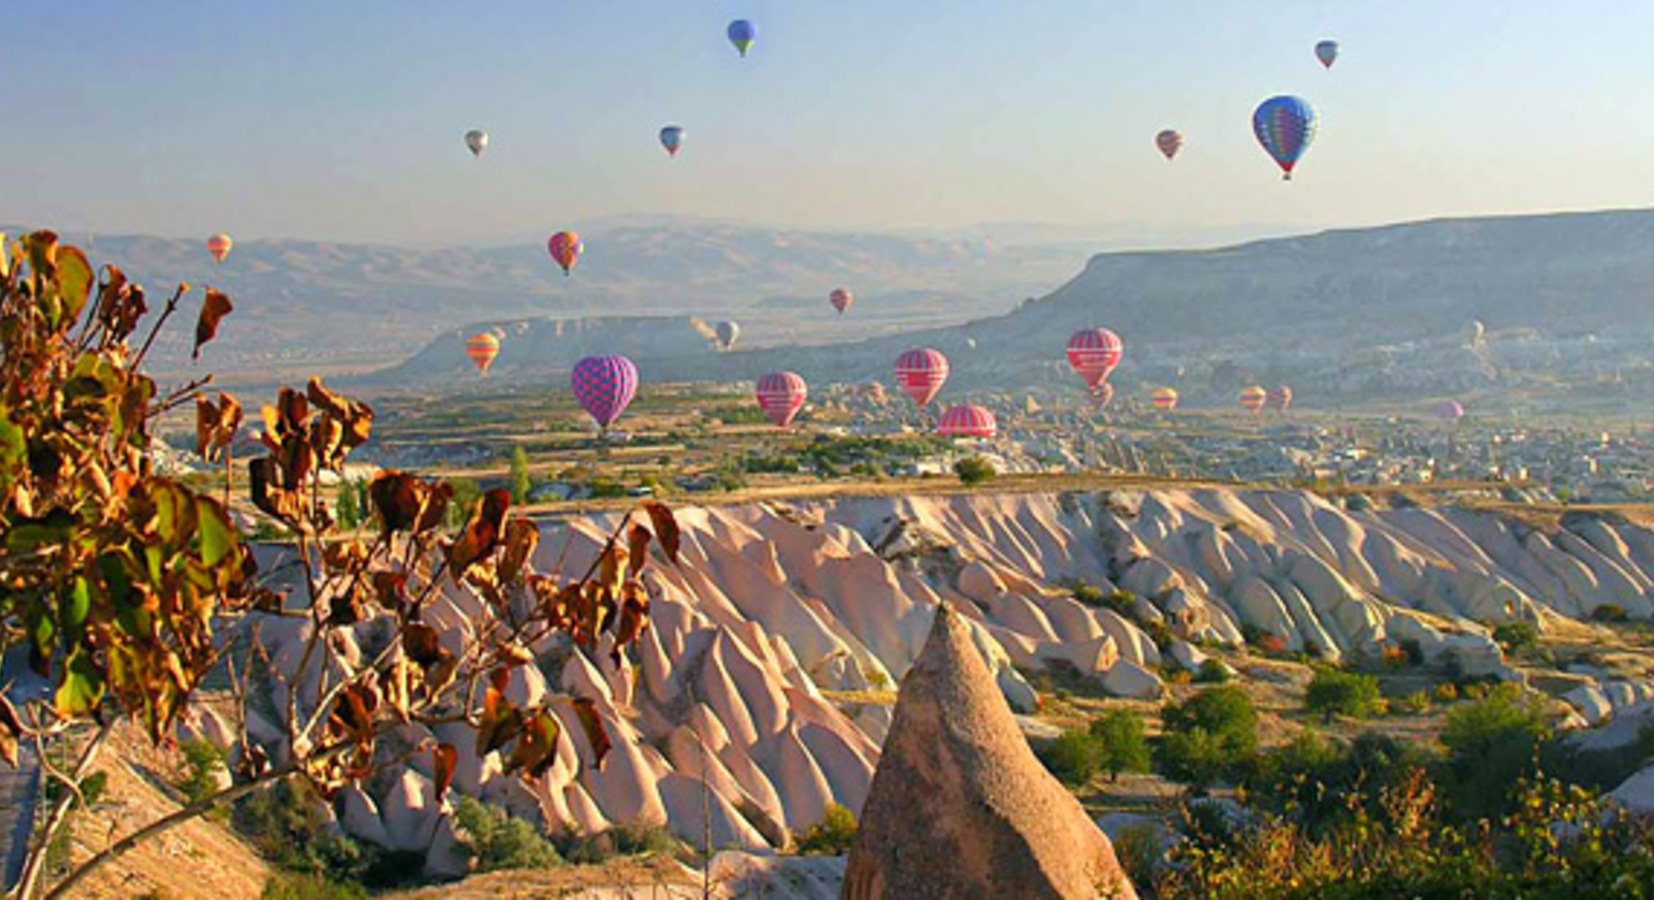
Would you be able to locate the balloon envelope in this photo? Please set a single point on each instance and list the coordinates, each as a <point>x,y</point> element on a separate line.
<point>1095,353</point>
<point>477,141</point>
<point>742,34</point>
<point>1253,399</point>
<point>968,420</point>
<point>841,300</point>
<point>781,395</point>
<point>565,248</point>
<point>482,348</point>
<point>1169,142</point>
<point>728,334</point>
<point>921,374</point>
<point>671,137</point>
<point>1285,126</point>
<point>219,246</point>
<point>1327,53</point>
<point>1279,398</point>
<point>1164,399</point>
<point>1450,411</point>
<point>604,386</point>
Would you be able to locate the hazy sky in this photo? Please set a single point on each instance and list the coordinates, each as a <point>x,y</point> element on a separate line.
<point>343,120</point>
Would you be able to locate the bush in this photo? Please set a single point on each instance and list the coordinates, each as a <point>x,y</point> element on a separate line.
<point>285,824</point>
<point>1446,692</point>
<point>201,759</point>
<point>1609,612</point>
<point>347,506</point>
<point>522,484</point>
<point>834,835</point>
<point>1517,636</point>
<point>1416,703</point>
<point>1120,742</point>
<point>1491,744</point>
<point>974,470</point>
<point>1074,757</point>
<point>1088,594</point>
<point>495,840</point>
<point>1212,671</point>
<point>1209,736</point>
<point>466,494</point>
<point>1333,692</point>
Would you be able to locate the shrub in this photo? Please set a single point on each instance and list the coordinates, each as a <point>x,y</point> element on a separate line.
<point>1088,594</point>
<point>286,825</point>
<point>832,836</point>
<point>201,760</point>
<point>347,507</point>
<point>1208,736</point>
<point>1074,757</point>
<point>1212,671</point>
<point>522,484</point>
<point>1446,692</point>
<point>1609,612</point>
<point>1416,703</point>
<point>974,470</point>
<point>466,494</point>
<point>1333,692</point>
<point>1517,636</point>
<point>1491,744</point>
<point>1120,743</point>
<point>495,840</point>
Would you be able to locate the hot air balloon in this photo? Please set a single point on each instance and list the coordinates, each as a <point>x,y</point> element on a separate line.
<point>921,374</point>
<point>671,137</point>
<point>604,386</point>
<point>970,343</point>
<point>967,420</point>
<point>1164,399</point>
<point>1279,398</point>
<point>1327,53</point>
<point>842,300</point>
<point>1450,411</point>
<point>1253,399</point>
<point>1094,353</point>
<point>728,334</point>
<point>482,348</point>
<point>1169,142</point>
<point>565,248</point>
<point>742,34</point>
<point>477,140</point>
<point>1285,126</point>
<point>219,246</point>
<point>781,395</point>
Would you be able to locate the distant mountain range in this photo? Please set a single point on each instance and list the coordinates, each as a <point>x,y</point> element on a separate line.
<point>303,305</point>
<point>1568,300</point>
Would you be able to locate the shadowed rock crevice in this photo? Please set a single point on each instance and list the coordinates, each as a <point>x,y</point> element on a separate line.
<point>960,807</point>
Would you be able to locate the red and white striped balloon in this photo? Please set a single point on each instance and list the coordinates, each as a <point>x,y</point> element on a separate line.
<point>781,395</point>
<point>921,374</point>
<point>1279,398</point>
<point>1094,353</point>
<point>1253,399</point>
<point>968,420</point>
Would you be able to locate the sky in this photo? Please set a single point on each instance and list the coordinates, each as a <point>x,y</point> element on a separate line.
<point>344,121</point>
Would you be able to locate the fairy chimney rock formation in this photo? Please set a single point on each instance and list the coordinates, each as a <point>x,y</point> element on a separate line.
<point>960,808</point>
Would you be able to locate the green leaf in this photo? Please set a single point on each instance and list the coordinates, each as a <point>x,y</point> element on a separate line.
<point>82,686</point>
<point>13,453</point>
<point>74,604</point>
<point>53,528</point>
<point>74,280</point>
<point>217,534</point>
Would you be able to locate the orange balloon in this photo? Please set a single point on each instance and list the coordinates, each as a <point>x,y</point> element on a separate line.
<point>482,348</point>
<point>565,248</point>
<point>219,246</point>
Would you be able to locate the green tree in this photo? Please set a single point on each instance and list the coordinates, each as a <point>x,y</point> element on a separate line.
<point>347,506</point>
<point>495,840</point>
<point>832,836</point>
<point>1122,746</point>
<point>1336,693</point>
<point>1491,744</point>
<point>1073,757</point>
<point>521,481</point>
<point>1212,735</point>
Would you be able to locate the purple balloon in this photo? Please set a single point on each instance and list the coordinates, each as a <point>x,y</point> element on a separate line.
<point>1450,411</point>
<point>605,386</point>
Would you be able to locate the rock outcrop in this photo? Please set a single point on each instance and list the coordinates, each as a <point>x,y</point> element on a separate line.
<point>960,808</point>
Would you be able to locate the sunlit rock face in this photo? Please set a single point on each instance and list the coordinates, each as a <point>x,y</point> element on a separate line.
<point>768,670</point>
